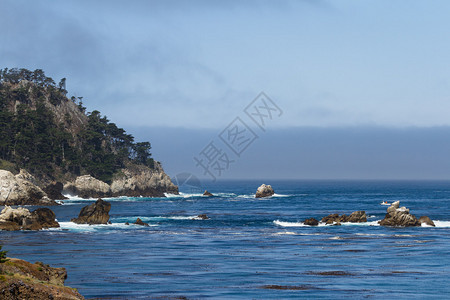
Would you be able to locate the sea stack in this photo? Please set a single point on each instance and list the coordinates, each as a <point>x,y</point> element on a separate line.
<point>399,216</point>
<point>208,194</point>
<point>96,213</point>
<point>264,191</point>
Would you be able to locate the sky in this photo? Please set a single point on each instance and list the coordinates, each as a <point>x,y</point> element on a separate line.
<point>370,78</point>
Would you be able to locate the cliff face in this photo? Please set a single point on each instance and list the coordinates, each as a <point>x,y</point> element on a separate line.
<point>20,279</point>
<point>55,140</point>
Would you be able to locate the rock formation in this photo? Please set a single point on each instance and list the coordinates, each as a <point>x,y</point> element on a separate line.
<point>21,189</point>
<point>22,218</point>
<point>133,181</point>
<point>264,191</point>
<point>399,216</point>
<point>311,222</point>
<point>140,222</point>
<point>426,220</point>
<point>355,217</point>
<point>96,213</point>
<point>208,194</point>
<point>203,217</point>
<point>54,191</point>
<point>23,280</point>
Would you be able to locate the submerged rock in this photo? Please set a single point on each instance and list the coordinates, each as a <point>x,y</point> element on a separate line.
<point>264,191</point>
<point>426,220</point>
<point>96,213</point>
<point>399,216</point>
<point>311,222</point>
<point>140,222</point>
<point>22,219</point>
<point>208,194</point>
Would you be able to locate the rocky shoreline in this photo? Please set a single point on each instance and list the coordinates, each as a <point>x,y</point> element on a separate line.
<point>20,279</point>
<point>133,181</point>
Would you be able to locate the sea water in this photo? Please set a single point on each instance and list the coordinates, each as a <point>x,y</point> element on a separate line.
<point>253,248</point>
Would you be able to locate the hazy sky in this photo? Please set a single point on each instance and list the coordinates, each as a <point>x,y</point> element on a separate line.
<point>162,68</point>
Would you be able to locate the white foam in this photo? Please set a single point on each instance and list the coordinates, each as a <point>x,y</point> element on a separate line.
<point>281,195</point>
<point>441,224</point>
<point>289,224</point>
<point>70,226</point>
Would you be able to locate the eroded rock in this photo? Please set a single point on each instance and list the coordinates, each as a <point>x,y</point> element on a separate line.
<point>22,219</point>
<point>399,216</point>
<point>264,191</point>
<point>96,213</point>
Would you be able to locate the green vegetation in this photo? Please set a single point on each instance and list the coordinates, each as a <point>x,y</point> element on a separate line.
<point>35,139</point>
<point>3,258</point>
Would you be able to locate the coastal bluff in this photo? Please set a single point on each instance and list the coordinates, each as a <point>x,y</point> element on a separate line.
<point>134,181</point>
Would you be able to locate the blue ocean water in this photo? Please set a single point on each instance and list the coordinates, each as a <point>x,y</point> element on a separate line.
<point>253,248</point>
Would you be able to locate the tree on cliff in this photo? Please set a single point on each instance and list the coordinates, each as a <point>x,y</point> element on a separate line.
<point>32,137</point>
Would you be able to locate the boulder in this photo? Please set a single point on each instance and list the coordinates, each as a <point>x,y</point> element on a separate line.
<point>54,191</point>
<point>21,189</point>
<point>22,218</point>
<point>330,219</point>
<point>96,213</point>
<point>426,220</point>
<point>140,222</point>
<point>203,217</point>
<point>264,191</point>
<point>357,217</point>
<point>208,194</point>
<point>311,222</point>
<point>399,216</point>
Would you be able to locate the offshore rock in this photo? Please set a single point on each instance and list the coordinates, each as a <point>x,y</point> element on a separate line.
<point>208,194</point>
<point>399,216</point>
<point>264,191</point>
<point>355,217</point>
<point>22,219</point>
<point>202,217</point>
<point>311,222</point>
<point>96,213</point>
<point>23,280</point>
<point>21,189</point>
<point>426,220</point>
<point>140,222</point>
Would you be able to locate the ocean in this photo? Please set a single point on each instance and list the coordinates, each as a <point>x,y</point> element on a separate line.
<point>253,248</point>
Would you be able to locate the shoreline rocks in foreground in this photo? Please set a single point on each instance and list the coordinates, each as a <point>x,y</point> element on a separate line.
<point>22,219</point>
<point>264,191</point>
<point>20,279</point>
<point>400,216</point>
<point>96,213</point>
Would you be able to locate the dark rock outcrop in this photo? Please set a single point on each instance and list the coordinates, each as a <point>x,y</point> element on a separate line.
<point>23,280</point>
<point>203,217</point>
<point>208,194</point>
<point>140,222</point>
<point>22,219</point>
<point>426,220</point>
<point>54,191</point>
<point>96,213</point>
<point>399,216</point>
<point>355,217</point>
<point>311,222</point>
<point>264,191</point>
